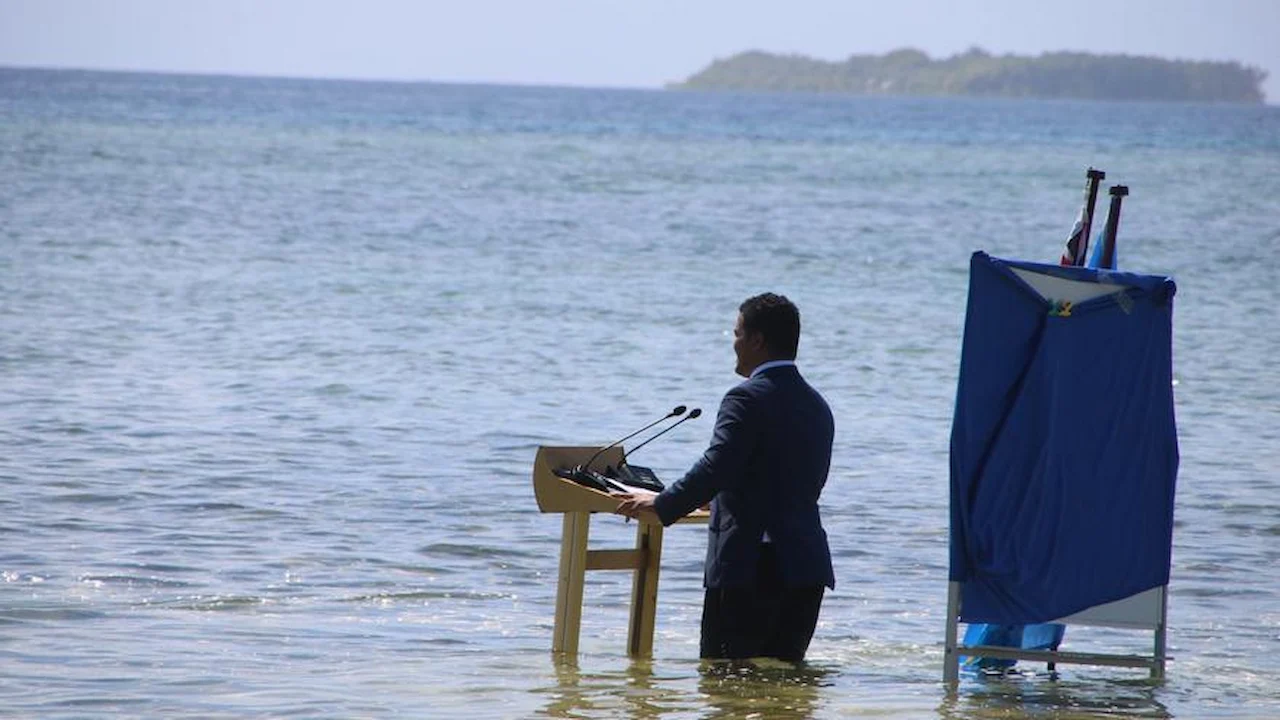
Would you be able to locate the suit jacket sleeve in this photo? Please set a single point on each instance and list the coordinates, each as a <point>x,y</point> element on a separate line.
<point>721,467</point>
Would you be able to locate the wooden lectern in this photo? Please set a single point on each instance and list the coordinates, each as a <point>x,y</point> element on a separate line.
<point>558,495</point>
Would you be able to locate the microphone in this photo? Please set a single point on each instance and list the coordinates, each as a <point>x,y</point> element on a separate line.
<point>584,475</point>
<point>644,477</point>
<point>675,412</point>
<point>696,412</point>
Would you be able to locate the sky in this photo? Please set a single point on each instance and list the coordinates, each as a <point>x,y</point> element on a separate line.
<point>603,43</point>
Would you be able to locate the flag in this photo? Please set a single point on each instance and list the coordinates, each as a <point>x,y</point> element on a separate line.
<point>1100,244</point>
<point>1078,240</point>
<point>1073,252</point>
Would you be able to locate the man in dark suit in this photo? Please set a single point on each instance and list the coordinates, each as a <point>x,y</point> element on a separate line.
<point>768,561</point>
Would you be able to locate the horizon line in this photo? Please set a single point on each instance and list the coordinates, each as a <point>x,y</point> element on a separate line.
<point>1267,102</point>
<point>250,75</point>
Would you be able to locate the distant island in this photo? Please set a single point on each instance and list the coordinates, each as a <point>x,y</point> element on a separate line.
<point>979,73</point>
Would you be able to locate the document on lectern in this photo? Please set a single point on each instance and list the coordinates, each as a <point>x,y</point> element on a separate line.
<point>634,491</point>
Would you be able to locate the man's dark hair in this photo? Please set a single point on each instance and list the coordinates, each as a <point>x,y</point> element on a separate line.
<point>777,319</point>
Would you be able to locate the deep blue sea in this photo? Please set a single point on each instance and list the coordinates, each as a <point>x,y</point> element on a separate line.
<point>276,355</point>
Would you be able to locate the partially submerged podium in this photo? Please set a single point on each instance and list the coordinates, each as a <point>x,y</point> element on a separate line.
<point>576,502</point>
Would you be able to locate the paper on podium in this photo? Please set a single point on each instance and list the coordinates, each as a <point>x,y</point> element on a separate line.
<point>639,492</point>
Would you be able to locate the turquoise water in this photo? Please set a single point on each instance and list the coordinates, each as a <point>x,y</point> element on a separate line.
<point>277,355</point>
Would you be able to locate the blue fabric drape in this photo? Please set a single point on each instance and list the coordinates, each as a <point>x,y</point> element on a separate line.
<point>1063,448</point>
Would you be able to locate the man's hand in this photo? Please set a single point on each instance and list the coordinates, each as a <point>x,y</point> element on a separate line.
<point>637,505</point>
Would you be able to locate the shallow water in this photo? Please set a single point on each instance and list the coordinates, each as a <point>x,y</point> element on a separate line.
<point>277,355</point>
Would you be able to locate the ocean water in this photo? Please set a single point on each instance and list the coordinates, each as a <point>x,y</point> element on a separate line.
<point>276,355</point>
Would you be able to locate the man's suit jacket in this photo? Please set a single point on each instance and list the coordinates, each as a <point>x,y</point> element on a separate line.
<point>763,472</point>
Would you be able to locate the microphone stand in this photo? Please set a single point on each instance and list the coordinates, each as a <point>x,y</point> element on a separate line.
<point>584,475</point>
<point>643,477</point>
<point>676,411</point>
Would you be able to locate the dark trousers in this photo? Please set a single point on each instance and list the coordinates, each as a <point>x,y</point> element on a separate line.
<point>766,619</point>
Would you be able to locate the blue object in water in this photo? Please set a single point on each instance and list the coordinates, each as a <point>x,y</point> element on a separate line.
<point>1041,636</point>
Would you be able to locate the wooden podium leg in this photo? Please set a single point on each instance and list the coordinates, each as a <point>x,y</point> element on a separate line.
<point>644,590</point>
<point>573,574</point>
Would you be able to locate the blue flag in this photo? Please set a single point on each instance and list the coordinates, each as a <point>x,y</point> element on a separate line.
<point>1100,246</point>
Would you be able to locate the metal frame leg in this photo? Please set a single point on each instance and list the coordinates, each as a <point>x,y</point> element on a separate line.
<point>950,658</point>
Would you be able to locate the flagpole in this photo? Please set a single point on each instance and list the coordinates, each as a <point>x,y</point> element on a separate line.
<point>1118,193</point>
<point>1093,179</point>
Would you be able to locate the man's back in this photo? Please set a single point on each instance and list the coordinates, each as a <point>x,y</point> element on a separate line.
<point>782,478</point>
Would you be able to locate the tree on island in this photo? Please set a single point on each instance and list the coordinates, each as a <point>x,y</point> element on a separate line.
<point>977,72</point>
